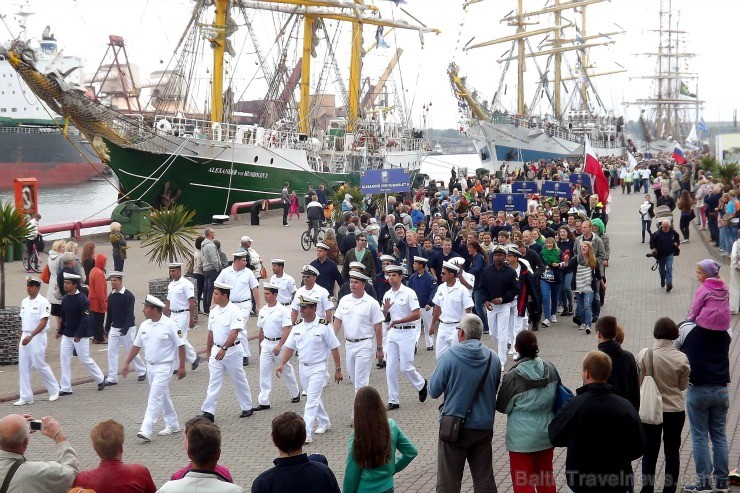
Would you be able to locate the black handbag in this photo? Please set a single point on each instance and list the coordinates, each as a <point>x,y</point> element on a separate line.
<point>450,427</point>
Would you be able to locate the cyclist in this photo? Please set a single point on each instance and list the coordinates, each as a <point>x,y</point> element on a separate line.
<point>30,239</point>
<point>315,214</point>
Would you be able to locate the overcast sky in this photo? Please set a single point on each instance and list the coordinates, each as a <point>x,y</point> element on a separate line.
<point>151,29</point>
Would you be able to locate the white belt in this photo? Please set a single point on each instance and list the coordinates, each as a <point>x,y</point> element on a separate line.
<point>157,364</point>
<point>314,363</point>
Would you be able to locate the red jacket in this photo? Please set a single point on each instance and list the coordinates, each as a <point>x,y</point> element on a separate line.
<point>114,476</point>
<point>98,286</point>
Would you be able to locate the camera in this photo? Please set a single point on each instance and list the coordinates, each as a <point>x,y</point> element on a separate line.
<point>36,424</point>
<point>651,254</point>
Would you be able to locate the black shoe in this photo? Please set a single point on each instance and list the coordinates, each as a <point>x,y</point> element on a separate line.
<point>102,385</point>
<point>195,363</point>
<point>247,413</point>
<point>65,393</point>
<point>430,348</point>
<point>261,407</point>
<point>485,331</point>
<point>210,417</point>
<point>380,364</point>
<point>111,383</point>
<point>423,392</point>
<point>141,377</point>
<point>662,283</point>
<point>296,399</point>
<point>245,361</point>
<point>392,406</point>
<point>669,287</point>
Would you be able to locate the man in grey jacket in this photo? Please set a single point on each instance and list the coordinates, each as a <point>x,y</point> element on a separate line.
<point>211,267</point>
<point>457,375</point>
<point>35,476</point>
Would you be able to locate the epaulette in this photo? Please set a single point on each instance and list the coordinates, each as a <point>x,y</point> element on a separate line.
<point>323,321</point>
<point>298,320</point>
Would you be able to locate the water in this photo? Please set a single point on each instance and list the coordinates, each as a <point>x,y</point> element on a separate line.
<point>97,199</point>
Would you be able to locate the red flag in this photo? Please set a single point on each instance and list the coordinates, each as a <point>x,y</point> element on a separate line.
<point>593,168</point>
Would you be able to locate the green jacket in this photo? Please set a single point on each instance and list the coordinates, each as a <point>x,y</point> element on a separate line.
<point>358,480</point>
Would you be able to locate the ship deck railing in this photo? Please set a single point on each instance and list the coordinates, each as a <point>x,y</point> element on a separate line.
<point>23,129</point>
<point>599,137</point>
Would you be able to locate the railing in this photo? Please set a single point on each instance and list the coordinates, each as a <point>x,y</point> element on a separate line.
<point>246,205</point>
<point>74,228</point>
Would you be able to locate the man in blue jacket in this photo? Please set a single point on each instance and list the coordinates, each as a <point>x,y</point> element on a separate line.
<point>457,375</point>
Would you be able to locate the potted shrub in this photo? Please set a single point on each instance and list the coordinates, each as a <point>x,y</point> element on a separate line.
<point>13,229</point>
<point>169,240</point>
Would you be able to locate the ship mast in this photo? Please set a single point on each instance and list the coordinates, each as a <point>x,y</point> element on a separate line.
<point>558,64</point>
<point>218,43</point>
<point>584,63</point>
<point>520,61</point>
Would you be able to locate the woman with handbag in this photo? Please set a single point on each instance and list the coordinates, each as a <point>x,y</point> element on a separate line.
<point>702,191</point>
<point>686,206</point>
<point>670,369</point>
<point>586,282</point>
<point>374,447</point>
<point>527,397</point>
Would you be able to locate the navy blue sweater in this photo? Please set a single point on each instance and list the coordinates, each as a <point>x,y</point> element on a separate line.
<point>708,352</point>
<point>120,311</point>
<point>74,317</point>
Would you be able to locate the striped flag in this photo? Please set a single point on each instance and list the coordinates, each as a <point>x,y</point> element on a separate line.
<point>593,168</point>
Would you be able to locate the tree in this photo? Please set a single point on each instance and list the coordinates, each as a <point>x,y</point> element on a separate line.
<point>13,229</point>
<point>170,235</point>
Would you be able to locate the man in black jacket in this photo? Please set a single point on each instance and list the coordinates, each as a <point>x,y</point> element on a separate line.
<point>624,376</point>
<point>602,431</point>
<point>663,244</point>
<point>120,325</point>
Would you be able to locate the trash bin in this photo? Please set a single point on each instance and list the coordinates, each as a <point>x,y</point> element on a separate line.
<point>134,216</point>
<point>9,253</point>
<point>18,249</point>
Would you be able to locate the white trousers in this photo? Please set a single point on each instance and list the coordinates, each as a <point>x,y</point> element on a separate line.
<point>498,325</point>
<point>246,309</point>
<point>384,330</point>
<point>182,320</point>
<point>83,354</point>
<point>446,337</point>
<point>116,342</point>
<point>312,379</point>
<point>159,401</point>
<point>516,323</point>
<point>231,365</point>
<point>359,359</point>
<point>426,322</point>
<point>268,362</point>
<point>401,344</point>
<point>33,357</point>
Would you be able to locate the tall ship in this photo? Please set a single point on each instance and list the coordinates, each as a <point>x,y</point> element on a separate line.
<point>671,112</point>
<point>34,141</point>
<point>561,83</point>
<point>209,158</point>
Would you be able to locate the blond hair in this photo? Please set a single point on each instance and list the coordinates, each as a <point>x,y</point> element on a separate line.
<point>57,245</point>
<point>115,227</point>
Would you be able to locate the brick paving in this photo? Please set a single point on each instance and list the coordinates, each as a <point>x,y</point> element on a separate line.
<point>634,296</point>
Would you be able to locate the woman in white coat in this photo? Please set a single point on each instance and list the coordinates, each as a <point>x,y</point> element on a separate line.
<point>735,276</point>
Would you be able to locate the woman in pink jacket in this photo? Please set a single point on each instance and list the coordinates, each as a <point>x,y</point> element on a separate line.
<point>711,306</point>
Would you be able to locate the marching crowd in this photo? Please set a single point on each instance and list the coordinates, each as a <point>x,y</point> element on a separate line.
<point>440,263</point>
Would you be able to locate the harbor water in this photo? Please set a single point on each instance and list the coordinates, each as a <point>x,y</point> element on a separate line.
<point>97,199</point>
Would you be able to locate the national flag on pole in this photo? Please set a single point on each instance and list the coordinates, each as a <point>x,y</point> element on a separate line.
<point>631,160</point>
<point>593,168</point>
<point>702,126</point>
<point>678,154</point>
<point>692,135</point>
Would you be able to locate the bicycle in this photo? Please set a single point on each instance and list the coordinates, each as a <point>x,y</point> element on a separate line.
<point>32,263</point>
<point>307,237</point>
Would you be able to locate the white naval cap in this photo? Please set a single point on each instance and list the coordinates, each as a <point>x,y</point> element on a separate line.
<point>387,258</point>
<point>309,269</point>
<point>459,261</point>
<point>245,239</point>
<point>359,276</point>
<point>241,254</point>
<point>499,249</point>
<point>421,260</point>
<point>270,286</point>
<point>399,225</point>
<point>280,261</point>
<point>33,280</point>
<point>393,268</point>
<point>222,285</point>
<point>357,265</point>
<point>323,246</point>
<point>305,300</point>
<point>114,273</point>
<point>450,266</point>
<point>174,265</point>
<point>153,301</point>
<point>513,250</point>
<point>71,276</point>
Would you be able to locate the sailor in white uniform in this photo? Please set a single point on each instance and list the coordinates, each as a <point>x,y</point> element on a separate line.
<point>325,306</point>
<point>274,326</point>
<point>284,281</point>
<point>180,308</point>
<point>359,316</point>
<point>314,339</point>
<point>401,306</point>
<point>243,294</point>
<point>451,302</point>
<point>164,348</point>
<point>35,312</point>
<point>224,325</point>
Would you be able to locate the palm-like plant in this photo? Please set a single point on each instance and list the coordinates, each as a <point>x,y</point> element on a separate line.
<point>13,229</point>
<point>726,173</point>
<point>338,198</point>
<point>170,236</point>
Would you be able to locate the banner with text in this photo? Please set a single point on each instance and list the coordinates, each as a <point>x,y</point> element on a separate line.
<point>524,187</point>
<point>557,189</point>
<point>385,180</point>
<point>581,178</point>
<point>512,202</point>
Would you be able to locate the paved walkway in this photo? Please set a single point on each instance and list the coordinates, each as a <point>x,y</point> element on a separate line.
<point>634,296</point>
